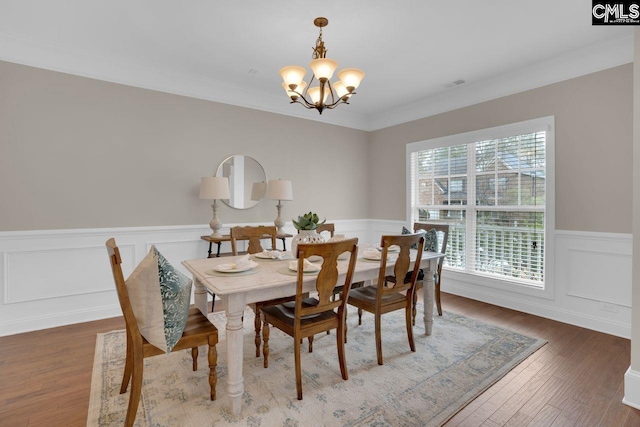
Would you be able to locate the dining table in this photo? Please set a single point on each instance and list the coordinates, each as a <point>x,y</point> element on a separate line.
<point>270,280</point>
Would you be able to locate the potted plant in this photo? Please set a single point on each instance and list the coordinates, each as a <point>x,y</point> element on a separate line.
<point>306,225</point>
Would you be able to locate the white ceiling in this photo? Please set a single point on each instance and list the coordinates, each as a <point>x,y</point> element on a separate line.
<point>411,51</point>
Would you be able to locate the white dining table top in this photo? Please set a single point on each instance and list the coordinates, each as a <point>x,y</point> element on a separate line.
<point>267,275</point>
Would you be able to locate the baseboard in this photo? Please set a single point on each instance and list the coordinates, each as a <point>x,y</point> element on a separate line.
<point>632,388</point>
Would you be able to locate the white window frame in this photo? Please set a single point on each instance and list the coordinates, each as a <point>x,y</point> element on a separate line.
<point>546,124</point>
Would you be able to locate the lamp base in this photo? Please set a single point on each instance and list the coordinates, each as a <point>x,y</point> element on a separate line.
<point>279,222</point>
<point>215,223</point>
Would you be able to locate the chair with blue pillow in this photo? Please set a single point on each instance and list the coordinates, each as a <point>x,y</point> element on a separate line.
<point>431,244</point>
<point>155,302</point>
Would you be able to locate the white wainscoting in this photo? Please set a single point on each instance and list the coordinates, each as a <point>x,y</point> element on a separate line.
<point>58,277</point>
<point>591,282</point>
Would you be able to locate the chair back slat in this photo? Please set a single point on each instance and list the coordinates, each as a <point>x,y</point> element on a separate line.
<point>327,279</point>
<point>397,283</point>
<point>331,228</point>
<point>254,235</point>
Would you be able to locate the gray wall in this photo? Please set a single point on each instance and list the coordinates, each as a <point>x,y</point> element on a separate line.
<point>594,123</point>
<point>83,153</point>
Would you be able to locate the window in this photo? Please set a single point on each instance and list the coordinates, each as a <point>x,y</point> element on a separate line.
<point>495,190</point>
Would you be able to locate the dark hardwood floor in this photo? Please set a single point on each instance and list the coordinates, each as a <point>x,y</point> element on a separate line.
<point>575,379</point>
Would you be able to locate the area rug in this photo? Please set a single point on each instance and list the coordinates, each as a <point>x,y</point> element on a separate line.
<point>461,359</point>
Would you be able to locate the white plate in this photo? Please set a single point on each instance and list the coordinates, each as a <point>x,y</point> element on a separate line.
<point>389,258</point>
<point>230,268</point>
<point>262,255</point>
<point>305,271</point>
<point>392,248</point>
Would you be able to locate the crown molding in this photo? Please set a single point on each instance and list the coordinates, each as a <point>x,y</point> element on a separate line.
<point>586,60</point>
<point>579,62</point>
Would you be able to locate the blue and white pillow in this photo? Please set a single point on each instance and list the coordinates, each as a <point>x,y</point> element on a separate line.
<point>160,296</point>
<point>430,239</point>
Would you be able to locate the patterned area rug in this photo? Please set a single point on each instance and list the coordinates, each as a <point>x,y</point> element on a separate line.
<point>450,368</point>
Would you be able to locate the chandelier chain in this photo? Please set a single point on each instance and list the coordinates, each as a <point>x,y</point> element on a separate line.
<point>319,51</point>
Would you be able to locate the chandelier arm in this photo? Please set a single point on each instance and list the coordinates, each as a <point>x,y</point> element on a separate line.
<point>306,89</point>
<point>333,98</point>
<point>304,104</point>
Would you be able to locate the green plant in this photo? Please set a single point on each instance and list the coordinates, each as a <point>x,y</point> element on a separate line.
<point>308,221</point>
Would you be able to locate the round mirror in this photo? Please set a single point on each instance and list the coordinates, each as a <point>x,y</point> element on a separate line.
<point>247,181</point>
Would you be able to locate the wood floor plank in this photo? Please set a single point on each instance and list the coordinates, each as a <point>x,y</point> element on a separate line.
<point>618,412</point>
<point>497,400</point>
<point>633,419</point>
<point>595,411</point>
<point>526,393</point>
<point>570,414</point>
<point>518,420</point>
<point>545,417</point>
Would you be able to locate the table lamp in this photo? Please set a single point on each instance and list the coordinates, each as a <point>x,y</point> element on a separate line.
<point>279,189</point>
<point>214,188</point>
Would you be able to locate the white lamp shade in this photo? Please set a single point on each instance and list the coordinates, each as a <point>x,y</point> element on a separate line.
<point>323,68</point>
<point>299,89</point>
<point>351,77</point>
<point>257,190</point>
<point>280,189</point>
<point>314,94</point>
<point>214,187</point>
<point>340,89</point>
<point>292,75</point>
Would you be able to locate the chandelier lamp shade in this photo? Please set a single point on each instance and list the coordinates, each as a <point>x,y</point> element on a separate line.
<point>316,93</point>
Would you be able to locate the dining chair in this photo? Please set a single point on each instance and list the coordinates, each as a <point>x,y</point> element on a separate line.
<point>254,235</point>
<point>441,230</point>
<point>198,331</point>
<point>329,227</point>
<point>309,316</point>
<point>390,294</point>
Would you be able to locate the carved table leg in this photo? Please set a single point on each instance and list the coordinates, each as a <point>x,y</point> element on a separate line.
<point>200,296</point>
<point>234,308</point>
<point>428,290</point>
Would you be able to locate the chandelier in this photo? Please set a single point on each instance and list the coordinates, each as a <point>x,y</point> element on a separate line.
<point>311,96</point>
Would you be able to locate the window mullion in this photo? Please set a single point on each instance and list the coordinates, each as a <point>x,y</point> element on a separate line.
<point>471,208</point>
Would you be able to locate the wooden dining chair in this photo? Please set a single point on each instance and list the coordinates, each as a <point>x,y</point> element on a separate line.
<point>442,231</point>
<point>329,227</point>
<point>310,316</point>
<point>390,294</point>
<point>255,235</point>
<point>198,331</point>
